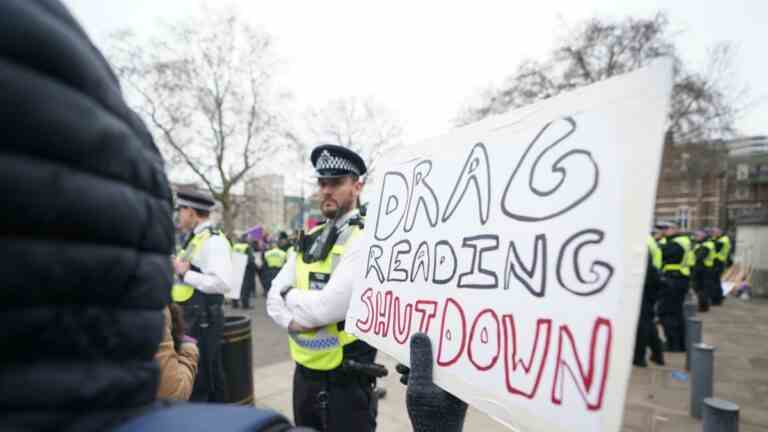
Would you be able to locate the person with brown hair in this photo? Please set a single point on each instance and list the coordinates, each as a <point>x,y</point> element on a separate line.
<point>177,357</point>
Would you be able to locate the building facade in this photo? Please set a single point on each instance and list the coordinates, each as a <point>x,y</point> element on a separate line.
<point>714,183</point>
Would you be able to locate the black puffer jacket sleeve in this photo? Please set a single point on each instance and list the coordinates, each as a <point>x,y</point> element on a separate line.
<point>86,231</point>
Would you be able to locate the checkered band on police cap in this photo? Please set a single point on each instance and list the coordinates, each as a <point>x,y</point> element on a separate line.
<point>328,162</point>
<point>336,161</point>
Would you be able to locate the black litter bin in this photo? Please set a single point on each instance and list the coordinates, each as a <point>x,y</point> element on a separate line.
<point>236,357</point>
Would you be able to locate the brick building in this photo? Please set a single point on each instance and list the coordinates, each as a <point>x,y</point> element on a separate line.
<point>713,183</point>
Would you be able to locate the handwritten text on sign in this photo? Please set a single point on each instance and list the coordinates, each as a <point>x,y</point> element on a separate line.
<point>512,252</point>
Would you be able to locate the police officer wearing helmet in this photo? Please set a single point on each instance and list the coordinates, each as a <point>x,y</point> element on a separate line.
<point>335,375</point>
<point>203,269</point>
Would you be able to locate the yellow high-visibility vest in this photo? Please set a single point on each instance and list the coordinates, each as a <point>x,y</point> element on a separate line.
<point>322,349</point>
<point>181,292</point>
<point>275,257</point>
<point>655,252</point>
<point>684,266</point>
<point>240,247</point>
<point>722,256</point>
<point>709,260</point>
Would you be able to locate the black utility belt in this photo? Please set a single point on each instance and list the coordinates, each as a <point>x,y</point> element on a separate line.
<point>338,375</point>
<point>200,298</point>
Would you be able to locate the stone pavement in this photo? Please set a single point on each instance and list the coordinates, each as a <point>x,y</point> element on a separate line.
<point>655,402</point>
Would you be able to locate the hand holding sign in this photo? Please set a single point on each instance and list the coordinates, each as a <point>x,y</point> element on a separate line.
<point>430,408</point>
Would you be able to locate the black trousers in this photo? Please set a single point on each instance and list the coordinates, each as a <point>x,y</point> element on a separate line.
<point>267,274</point>
<point>327,402</point>
<point>205,321</point>
<point>671,300</point>
<point>701,284</point>
<point>716,290</point>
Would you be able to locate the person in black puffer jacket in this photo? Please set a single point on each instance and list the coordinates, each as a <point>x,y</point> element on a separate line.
<point>86,232</point>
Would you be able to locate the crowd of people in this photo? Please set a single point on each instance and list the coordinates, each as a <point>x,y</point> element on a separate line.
<point>678,262</point>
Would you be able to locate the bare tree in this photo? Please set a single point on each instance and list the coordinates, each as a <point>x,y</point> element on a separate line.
<point>704,105</point>
<point>204,88</point>
<point>362,126</point>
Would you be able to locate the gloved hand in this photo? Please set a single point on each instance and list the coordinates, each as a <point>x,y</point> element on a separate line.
<point>430,408</point>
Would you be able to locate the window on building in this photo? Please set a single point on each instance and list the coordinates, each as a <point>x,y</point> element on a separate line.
<point>742,171</point>
<point>682,218</point>
<point>684,158</point>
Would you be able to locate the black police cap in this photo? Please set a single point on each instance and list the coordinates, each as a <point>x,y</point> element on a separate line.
<point>332,160</point>
<point>195,199</point>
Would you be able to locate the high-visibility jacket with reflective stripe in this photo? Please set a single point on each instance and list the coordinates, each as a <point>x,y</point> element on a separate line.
<point>321,349</point>
<point>725,250</point>
<point>684,267</point>
<point>709,260</point>
<point>181,292</point>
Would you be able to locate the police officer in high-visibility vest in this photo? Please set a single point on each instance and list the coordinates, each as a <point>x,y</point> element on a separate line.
<point>203,270</point>
<point>647,336</point>
<point>332,389</point>
<point>722,259</point>
<point>273,260</point>
<point>704,274</point>
<point>676,260</point>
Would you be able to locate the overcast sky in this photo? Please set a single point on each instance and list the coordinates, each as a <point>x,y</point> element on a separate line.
<point>424,60</point>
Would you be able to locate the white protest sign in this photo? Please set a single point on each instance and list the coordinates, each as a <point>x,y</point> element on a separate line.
<point>518,245</point>
<point>239,263</point>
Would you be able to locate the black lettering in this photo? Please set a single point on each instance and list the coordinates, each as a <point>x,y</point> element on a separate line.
<point>478,276</point>
<point>374,254</point>
<point>397,273</point>
<point>570,277</point>
<point>476,171</point>
<point>423,195</point>
<point>536,287</point>
<point>421,262</point>
<point>440,275</point>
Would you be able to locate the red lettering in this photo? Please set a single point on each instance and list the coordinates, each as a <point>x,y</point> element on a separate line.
<point>526,383</point>
<point>449,341</point>
<point>428,310</point>
<point>383,314</point>
<point>365,326</point>
<point>402,327</point>
<point>569,360</point>
<point>484,364</point>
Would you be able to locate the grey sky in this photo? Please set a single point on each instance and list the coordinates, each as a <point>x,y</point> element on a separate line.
<point>423,60</point>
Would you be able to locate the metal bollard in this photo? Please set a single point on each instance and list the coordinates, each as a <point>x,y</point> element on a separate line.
<point>692,337</point>
<point>702,362</point>
<point>689,310</point>
<point>720,416</point>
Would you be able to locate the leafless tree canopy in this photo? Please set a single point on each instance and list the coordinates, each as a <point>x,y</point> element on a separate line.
<point>704,105</point>
<point>362,126</point>
<point>204,87</point>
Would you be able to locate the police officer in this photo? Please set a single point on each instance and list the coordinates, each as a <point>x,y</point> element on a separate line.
<point>203,270</point>
<point>722,257</point>
<point>249,278</point>
<point>274,259</point>
<point>704,274</point>
<point>647,335</point>
<point>676,258</point>
<point>310,297</point>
